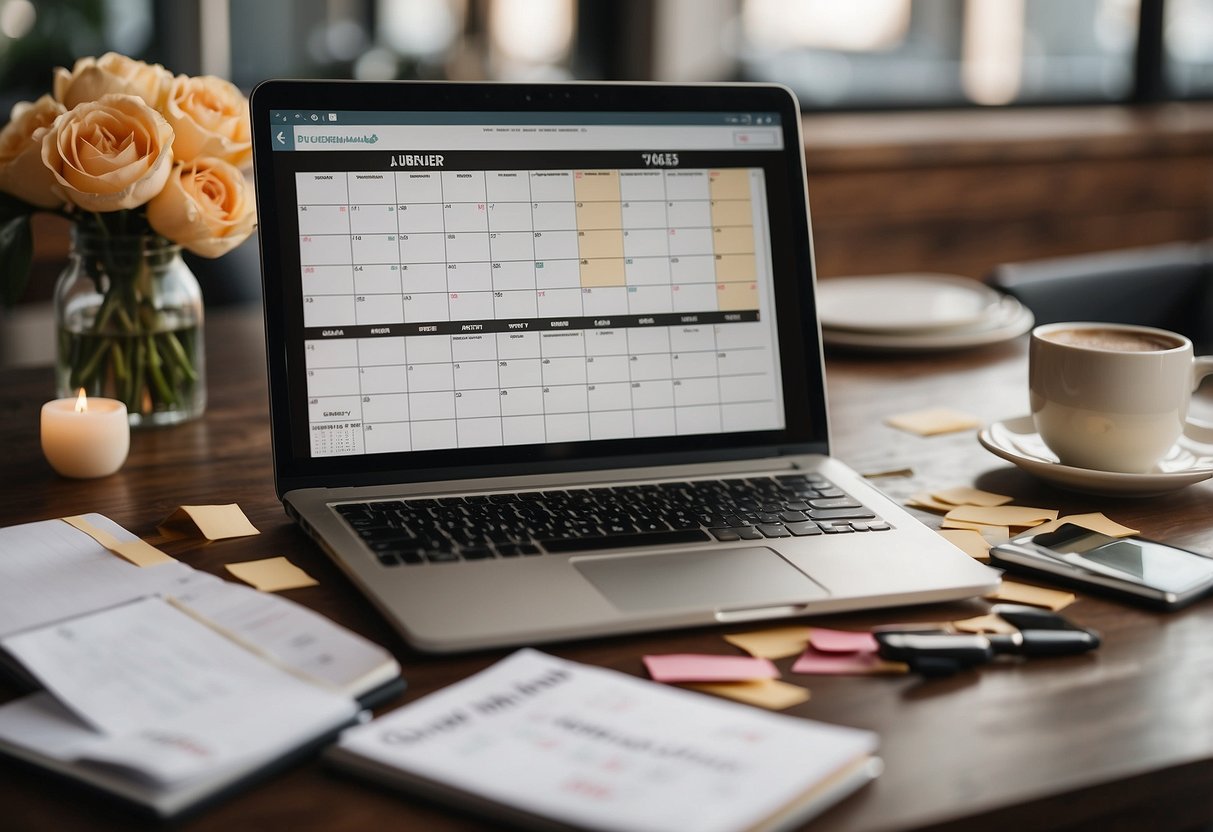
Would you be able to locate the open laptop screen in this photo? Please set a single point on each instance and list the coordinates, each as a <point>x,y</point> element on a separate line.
<point>537,283</point>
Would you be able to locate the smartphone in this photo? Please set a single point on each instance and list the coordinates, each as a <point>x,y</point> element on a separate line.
<point>1132,568</point>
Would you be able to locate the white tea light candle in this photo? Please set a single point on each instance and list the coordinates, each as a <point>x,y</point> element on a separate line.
<point>85,438</point>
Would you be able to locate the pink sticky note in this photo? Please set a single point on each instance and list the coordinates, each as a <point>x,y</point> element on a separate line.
<point>839,664</point>
<point>841,641</point>
<point>693,667</point>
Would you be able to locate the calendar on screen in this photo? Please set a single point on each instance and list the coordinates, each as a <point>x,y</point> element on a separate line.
<point>455,308</point>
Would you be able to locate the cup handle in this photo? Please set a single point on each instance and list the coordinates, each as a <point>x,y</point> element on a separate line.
<point>1203,431</point>
<point>1201,367</point>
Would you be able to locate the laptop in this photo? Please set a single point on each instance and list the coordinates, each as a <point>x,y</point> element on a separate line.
<point>544,362</point>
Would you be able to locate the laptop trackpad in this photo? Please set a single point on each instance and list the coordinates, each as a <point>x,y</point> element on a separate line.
<point>722,579</point>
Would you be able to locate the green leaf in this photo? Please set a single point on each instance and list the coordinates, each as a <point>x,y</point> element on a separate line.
<point>16,257</point>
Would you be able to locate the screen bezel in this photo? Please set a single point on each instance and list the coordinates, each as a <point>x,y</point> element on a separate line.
<point>792,260</point>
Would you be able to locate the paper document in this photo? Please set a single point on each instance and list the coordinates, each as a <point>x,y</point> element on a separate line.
<point>50,571</point>
<point>171,696</point>
<point>599,749</point>
<point>291,635</point>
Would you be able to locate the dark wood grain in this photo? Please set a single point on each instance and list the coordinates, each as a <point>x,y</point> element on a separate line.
<point>1119,739</point>
<point>962,191</point>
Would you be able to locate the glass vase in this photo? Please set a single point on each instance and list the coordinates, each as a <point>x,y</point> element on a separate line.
<point>129,316</point>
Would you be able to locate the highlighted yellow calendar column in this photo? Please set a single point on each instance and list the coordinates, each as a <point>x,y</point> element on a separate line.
<point>599,228</point>
<point>733,240</point>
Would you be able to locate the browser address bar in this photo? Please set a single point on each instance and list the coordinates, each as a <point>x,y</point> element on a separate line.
<point>518,137</point>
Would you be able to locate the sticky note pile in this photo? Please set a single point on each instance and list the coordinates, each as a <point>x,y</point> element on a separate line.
<point>974,520</point>
<point>753,680</point>
<point>843,652</point>
<point>1012,592</point>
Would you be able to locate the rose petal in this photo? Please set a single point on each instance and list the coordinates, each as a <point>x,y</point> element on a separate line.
<point>111,154</point>
<point>205,206</point>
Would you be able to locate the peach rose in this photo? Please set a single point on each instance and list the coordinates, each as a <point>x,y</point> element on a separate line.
<point>22,172</point>
<point>211,118</point>
<point>109,154</point>
<point>92,78</point>
<point>206,206</point>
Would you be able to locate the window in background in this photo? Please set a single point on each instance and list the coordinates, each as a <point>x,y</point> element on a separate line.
<point>413,39</point>
<point>1188,45</point>
<point>836,55</point>
<point>386,39</point>
<point>879,53</point>
<point>530,40</point>
<point>297,39</point>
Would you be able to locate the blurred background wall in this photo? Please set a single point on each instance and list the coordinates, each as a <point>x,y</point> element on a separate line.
<point>941,135</point>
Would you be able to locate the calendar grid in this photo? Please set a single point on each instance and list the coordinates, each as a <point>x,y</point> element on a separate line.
<point>532,306</point>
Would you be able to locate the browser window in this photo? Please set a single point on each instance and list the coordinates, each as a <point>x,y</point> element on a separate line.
<point>490,279</point>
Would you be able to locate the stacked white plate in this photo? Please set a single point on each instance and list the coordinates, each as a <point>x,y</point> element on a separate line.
<point>923,312</point>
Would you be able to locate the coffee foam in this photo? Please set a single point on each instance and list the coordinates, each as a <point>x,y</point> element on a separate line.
<point>1116,340</point>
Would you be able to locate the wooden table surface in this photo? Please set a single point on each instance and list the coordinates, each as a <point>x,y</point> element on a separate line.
<point>1118,739</point>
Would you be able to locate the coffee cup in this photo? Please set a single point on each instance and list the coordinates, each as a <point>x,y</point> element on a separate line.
<point>1111,397</point>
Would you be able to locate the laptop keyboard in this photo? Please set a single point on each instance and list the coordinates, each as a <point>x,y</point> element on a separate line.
<point>530,523</point>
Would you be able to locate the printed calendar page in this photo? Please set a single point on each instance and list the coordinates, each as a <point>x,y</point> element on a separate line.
<point>450,303</point>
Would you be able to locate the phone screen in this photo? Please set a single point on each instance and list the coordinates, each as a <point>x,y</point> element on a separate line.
<point>1142,561</point>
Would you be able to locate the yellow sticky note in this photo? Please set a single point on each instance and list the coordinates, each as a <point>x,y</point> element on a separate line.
<point>892,472</point>
<point>925,500</point>
<point>965,495</point>
<point>1096,522</point>
<point>993,534</point>
<point>212,522</point>
<point>968,541</point>
<point>1017,516</point>
<point>765,693</point>
<point>932,421</point>
<point>136,551</point>
<point>989,623</point>
<point>775,643</point>
<point>952,523</point>
<point>271,574</point>
<point>1016,593</point>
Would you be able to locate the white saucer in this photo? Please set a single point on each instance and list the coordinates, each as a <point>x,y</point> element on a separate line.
<point>1005,320</point>
<point>1190,461</point>
<point>904,303</point>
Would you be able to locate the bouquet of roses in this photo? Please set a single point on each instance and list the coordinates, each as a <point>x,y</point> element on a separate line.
<point>126,146</point>
<point>141,161</point>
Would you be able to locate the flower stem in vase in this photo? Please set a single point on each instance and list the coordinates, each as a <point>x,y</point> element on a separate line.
<point>130,313</point>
